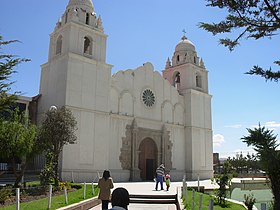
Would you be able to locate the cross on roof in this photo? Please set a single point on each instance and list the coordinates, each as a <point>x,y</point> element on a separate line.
<point>184,31</point>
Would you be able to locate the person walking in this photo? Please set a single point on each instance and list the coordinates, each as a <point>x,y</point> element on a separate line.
<point>120,199</point>
<point>160,176</point>
<point>167,181</point>
<point>105,184</point>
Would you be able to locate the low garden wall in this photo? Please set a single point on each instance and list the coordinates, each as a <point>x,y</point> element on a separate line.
<point>83,205</point>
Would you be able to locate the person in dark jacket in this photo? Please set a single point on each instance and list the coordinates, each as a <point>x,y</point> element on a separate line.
<point>105,184</point>
<point>160,176</point>
<point>120,199</point>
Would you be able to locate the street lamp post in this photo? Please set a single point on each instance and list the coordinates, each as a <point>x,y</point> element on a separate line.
<point>53,108</point>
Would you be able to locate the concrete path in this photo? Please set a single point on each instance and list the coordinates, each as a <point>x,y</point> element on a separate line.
<point>148,188</point>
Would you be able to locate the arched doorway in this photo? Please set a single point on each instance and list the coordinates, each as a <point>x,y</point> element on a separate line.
<point>147,159</point>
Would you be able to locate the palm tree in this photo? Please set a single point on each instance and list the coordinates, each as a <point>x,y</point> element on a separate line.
<point>265,144</point>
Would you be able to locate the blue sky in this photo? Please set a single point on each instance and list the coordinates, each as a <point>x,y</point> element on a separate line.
<point>148,30</point>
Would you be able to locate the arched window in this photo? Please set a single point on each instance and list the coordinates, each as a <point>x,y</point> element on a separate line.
<point>178,58</point>
<point>177,80</point>
<point>198,81</point>
<point>66,17</point>
<point>194,59</point>
<point>87,18</point>
<point>87,46</point>
<point>177,77</point>
<point>58,45</point>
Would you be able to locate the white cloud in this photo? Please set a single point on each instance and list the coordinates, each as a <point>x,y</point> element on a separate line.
<point>233,126</point>
<point>244,151</point>
<point>226,154</point>
<point>218,139</point>
<point>271,125</point>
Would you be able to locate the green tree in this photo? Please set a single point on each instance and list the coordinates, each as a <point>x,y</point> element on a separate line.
<point>265,144</point>
<point>57,129</point>
<point>241,163</point>
<point>18,141</point>
<point>223,180</point>
<point>47,174</point>
<point>250,19</point>
<point>249,201</point>
<point>7,68</point>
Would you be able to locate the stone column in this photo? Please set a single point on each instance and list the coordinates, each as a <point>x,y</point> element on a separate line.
<point>163,145</point>
<point>159,158</point>
<point>135,172</point>
<point>133,145</point>
<point>166,148</point>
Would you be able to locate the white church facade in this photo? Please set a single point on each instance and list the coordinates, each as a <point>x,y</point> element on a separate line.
<point>134,120</point>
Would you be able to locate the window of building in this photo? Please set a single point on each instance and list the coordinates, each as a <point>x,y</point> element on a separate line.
<point>194,59</point>
<point>66,17</point>
<point>177,78</point>
<point>178,58</point>
<point>58,45</point>
<point>87,46</point>
<point>198,81</point>
<point>87,18</point>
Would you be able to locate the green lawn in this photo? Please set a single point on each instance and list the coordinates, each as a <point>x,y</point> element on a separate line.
<point>261,195</point>
<point>205,203</point>
<point>57,201</point>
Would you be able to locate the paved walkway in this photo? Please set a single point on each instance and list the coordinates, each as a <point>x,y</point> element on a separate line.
<point>149,189</point>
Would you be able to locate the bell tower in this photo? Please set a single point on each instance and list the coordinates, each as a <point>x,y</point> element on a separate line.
<point>187,70</point>
<point>79,31</point>
<point>188,74</point>
<point>76,74</point>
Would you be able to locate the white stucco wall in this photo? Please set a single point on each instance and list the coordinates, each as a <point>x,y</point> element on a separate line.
<point>104,105</point>
<point>101,133</point>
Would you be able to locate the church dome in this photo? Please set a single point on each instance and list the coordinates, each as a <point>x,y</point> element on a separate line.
<point>81,3</point>
<point>185,45</point>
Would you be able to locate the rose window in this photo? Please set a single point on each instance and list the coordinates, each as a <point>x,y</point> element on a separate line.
<point>148,98</point>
